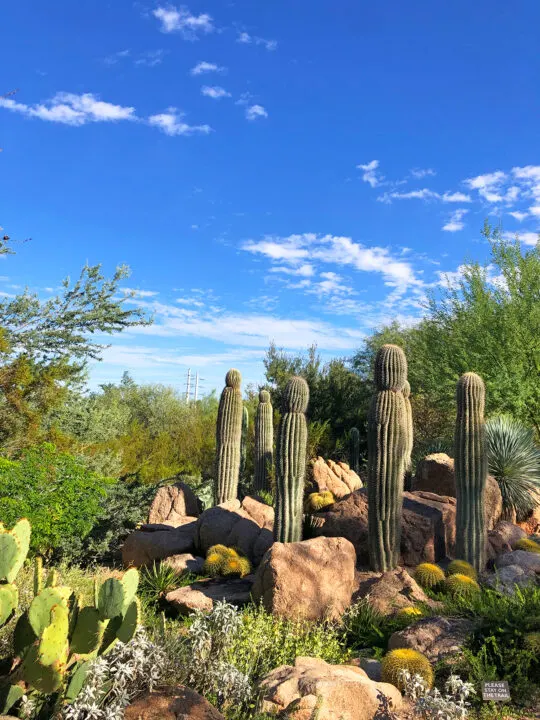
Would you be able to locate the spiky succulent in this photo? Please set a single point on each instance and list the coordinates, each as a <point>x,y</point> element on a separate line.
<point>462,567</point>
<point>429,575</point>
<point>461,586</point>
<point>528,545</point>
<point>514,461</point>
<point>225,561</point>
<point>236,566</point>
<point>394,662</point>
<point>318,500</point>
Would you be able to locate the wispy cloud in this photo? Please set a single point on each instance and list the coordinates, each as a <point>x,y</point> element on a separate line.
<point>527,238</point>
<point>305,270</point>
<point>246,39</point>
<point>148,58</point>
<point>488,185</point>
<point>139,293</point>
<point>256,111</point>
<point>215,92</point>
<point>424,194</point>
<point>204,67</point>
<point>420,173</point>
<point>72,109</point>
<point>172,123</point>
<point>116,57</point>
<point>519,216</point>
<point>181,20</point>
<point>371,174</point>
<point>455,223</point>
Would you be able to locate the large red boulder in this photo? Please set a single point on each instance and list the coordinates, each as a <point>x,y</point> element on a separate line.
<point>172,503</point>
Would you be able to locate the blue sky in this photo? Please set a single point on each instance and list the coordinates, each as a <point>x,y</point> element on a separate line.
<point>296,171</point>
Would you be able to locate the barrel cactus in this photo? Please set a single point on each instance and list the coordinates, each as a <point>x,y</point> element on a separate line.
<point>291,462</point>
<point>527,545</point>
<point>394,662</point>
<point>354,450</point>
<point>317,501</point>
<point>387,456</point>
<point>429,575</point>
<point>462,586</point>
<point>460,567</point>
<point>470,470</point>
<point>228,438</point>
<point>264,442</point>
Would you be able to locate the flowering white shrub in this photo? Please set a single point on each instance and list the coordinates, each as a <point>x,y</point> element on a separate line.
<point>432,704</point>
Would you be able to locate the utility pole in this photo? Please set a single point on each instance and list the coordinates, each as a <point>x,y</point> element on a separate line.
<point>197,386</point>
<point>188,385</point>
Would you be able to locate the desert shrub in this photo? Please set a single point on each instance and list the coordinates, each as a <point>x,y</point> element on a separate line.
<point>366,630</point>
<point>514,461</point>
<point>60,497</point>
<point>159,579</point>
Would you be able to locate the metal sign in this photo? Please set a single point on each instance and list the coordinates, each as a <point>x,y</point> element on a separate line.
<point>497,690</point>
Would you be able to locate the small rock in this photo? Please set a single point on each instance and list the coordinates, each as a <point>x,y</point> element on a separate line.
<point>371,667</point>
<point>336,477</point>
<point>506,578</point>
<point>502,538</point>
<point>312,579</point>
<point>390,591</point>
<point>314,688</point>
<point>435,637</point>
<point>172,503</point>
<point>185,562</point>
<point>179,703</point>
<point>202,595</point>
<point>521,558</point>
<point>143,547</point>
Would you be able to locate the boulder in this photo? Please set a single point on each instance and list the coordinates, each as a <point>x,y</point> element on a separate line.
<point>184,563</point>
<point>506,578</point>
<point>390,591</point>
<point>172,503</point>
<point>178,703</point>
<point>502,538</point>
<point>372,667</point>
<point>428,526</point>
<point>531,524</point>
<point>435,474</point>
<point>521,558</point>
<point>247,526</point>
<point>202,595</point>
<point>151,543</point>
<point>312,579</point>
<point>336,477</point>
<point>435,637</point>
<point>314,688</point>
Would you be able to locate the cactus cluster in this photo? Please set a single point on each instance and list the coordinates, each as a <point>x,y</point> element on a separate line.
<point>462,586</point>
<point>429,575</point>
<point>264,443</point>
<point>291,462</point>
<point>225,562</point>
<point>470,470</point>
<point>388,444</point>
<point>229,438</point>
<point>394,662</point>
<point>56,637</point>
<point>528,545</point>
<point>461,567</point>
<point>318,501</point>
<point>354,450</point>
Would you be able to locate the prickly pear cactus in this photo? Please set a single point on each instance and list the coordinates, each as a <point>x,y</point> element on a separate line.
<point>264,442</point>
<point>228,438</point>
<point>291,462</point>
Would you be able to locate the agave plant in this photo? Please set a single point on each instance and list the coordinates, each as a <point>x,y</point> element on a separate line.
<point>514,461</point>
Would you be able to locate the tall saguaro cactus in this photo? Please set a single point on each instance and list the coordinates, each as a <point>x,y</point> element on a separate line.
<point>291,462</point>
<point>410,425</point>
<point>354,450</point>
<point>387,454</point>
<point>471,470</point>
<point>243,441</point>
<point>264,442</point>
<point>228,438</point>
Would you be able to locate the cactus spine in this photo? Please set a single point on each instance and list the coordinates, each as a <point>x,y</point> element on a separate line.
<point>228,438</point>
<point>243,441</point>
<point>387,454</point>
<point>471,470</point>
<point>354,450</point>
<point>264,442</point>
<point>291,462</point>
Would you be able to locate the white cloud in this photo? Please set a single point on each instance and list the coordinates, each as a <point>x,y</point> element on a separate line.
<point>206,67</point>
<point>305,270</point>
<point>171,123</point>
<point>150,58</point>
<point>420,173</point>
<point>332,284</point>
<point>246,39</point>
<point>527,238</point>
<point>535,210</point>
<point>181,20</point>
<point>255,111</point>
<point>424,194</point>
<point>72,109</point>
<point>455,197</point>
<point>370,174</point>
<point>215,92</point>
<point>456,221</point>
<point>139,293</point>
<point>519,216</point>
<point>489,186</point>
<point>115,57</point>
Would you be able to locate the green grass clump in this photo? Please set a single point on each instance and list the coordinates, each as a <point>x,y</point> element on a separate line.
<point>528,545</point>
<point>429,575</point>
<point>462,586</point>
<point>462,567</point>
<point>405,659</point>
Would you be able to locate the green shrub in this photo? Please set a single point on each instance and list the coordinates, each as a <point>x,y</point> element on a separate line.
<point>366,630</point>
<point>60,497</point>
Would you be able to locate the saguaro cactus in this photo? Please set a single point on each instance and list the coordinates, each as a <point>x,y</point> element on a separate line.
<point>291,462</point>
<point>410,425</point>
<point>228,438</point>
<point>264,442</point>
<point>471,470</point>
<point>387,452</point>
<point>354,450</point>
<point>243,441</point>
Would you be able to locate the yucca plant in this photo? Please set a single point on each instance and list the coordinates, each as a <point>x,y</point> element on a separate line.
<point>514,461</point>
